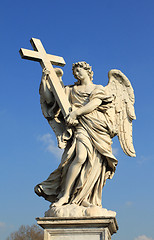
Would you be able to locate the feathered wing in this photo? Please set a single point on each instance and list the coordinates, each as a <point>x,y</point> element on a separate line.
<point>120,86</point>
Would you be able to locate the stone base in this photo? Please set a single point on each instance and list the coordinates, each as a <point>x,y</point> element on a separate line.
<point>93,228</point>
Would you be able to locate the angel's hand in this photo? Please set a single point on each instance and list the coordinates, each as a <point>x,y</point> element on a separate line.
<point>71,118</point>
<point>45,74</point>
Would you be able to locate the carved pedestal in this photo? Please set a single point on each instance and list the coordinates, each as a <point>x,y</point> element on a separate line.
<point>87,228</point>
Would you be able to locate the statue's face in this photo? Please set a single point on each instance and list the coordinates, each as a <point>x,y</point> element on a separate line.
<point>81,73</point>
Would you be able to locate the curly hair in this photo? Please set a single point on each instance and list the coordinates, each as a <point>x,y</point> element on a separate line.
<point>85,66</point>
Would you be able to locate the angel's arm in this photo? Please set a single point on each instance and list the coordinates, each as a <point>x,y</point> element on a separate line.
<point>89,107</point>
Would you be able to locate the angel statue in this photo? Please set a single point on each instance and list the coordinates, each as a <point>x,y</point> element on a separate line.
<point>97,115</point>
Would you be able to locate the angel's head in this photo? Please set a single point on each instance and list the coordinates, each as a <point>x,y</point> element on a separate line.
<point>81,69</point>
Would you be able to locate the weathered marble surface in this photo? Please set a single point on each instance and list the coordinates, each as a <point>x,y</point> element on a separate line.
<point>73,210</point>
<point>98,114</point>
<point>85,117</point>
<point>78,228</point>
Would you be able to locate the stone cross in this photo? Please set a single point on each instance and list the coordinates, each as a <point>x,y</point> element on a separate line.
<point>46,60</point>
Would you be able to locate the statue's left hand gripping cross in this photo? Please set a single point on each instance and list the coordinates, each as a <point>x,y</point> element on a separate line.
<point>46,60</point>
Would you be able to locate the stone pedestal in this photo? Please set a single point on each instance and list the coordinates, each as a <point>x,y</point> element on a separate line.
<point>87,228</point>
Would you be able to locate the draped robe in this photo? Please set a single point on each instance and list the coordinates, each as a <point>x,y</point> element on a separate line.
<point>95,130</point>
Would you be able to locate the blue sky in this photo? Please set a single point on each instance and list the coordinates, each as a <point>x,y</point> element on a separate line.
<point>107,34</point>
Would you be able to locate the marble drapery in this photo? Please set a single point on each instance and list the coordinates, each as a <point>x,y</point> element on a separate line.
<point>95,130</point>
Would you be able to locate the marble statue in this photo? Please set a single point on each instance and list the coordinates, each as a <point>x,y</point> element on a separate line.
<point>95,114</point>
<point>98,114</point>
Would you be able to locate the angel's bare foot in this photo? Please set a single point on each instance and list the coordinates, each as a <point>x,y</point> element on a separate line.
<point>60,202</point>
<point>86,204</point>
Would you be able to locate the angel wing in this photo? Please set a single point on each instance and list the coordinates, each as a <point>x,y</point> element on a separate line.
<point>120,86</point>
